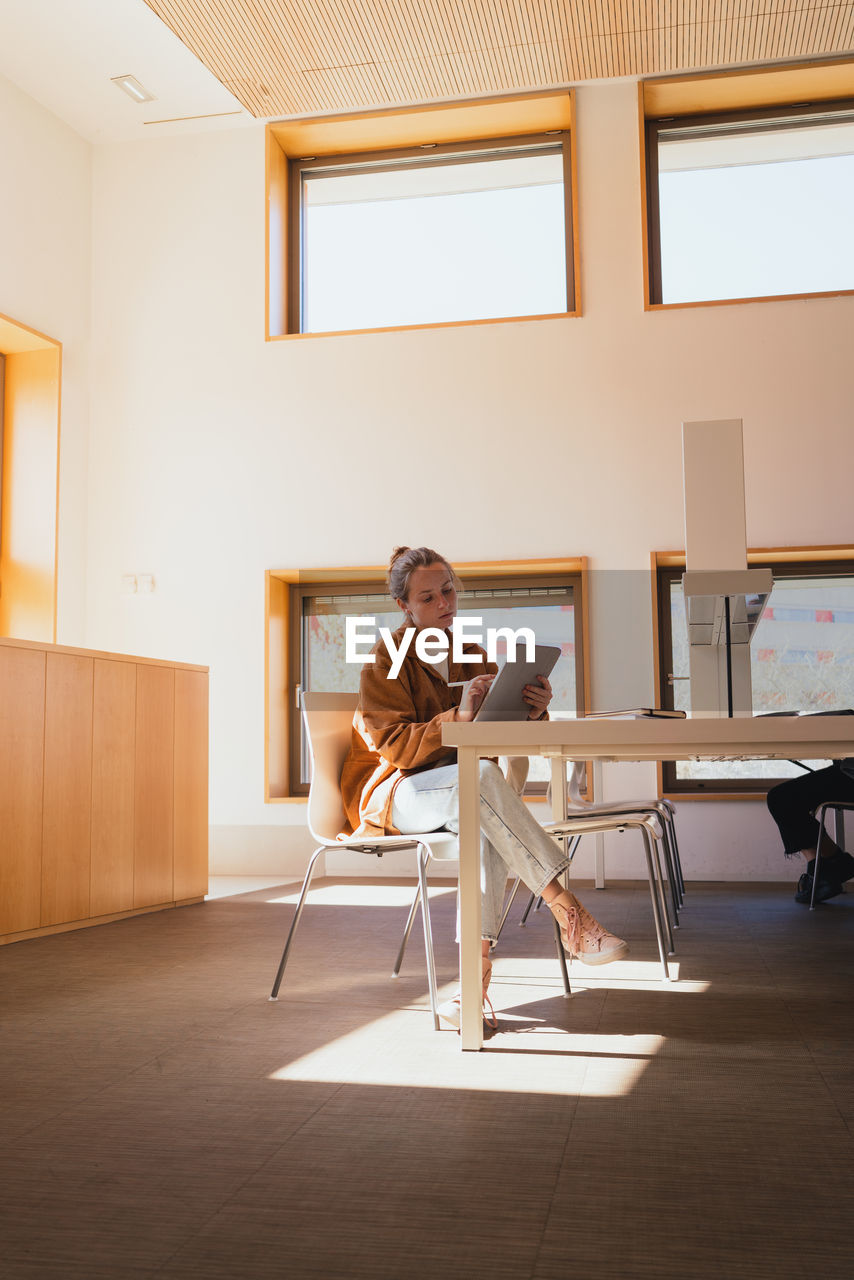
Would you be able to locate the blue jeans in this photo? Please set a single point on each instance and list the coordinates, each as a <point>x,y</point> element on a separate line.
<point>511,841</point>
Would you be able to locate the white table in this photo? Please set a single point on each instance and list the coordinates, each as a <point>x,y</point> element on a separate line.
<point>774,737</point>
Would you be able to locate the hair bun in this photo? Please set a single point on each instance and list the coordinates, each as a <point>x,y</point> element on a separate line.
<point>398,551</point>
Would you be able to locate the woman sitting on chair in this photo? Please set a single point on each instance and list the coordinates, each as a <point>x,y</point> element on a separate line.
<point>398,778</point>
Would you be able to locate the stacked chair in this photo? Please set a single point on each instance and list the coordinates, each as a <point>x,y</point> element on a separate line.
<point>655,819</point>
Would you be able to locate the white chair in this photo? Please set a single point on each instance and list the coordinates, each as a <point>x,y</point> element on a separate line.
<point>585,818</point>
<point>838,807</point>
<point>328,719</point>
<point>663,809</point>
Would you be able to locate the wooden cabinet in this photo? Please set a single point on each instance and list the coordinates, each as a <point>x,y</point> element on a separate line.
<point>22,695</point>
<point>67,802</point>
<point>154,783</point>
<point>190,830</point>
<point>113,759</point>
<point>103,786</point>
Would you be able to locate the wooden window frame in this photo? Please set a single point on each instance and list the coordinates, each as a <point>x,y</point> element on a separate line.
<point>486,124</point>
<point>759,93</point>
<point>666,566</point>
<point>655,128</point>
<point>29,481</point>
<point>449,153</point>
<point>284,587</point>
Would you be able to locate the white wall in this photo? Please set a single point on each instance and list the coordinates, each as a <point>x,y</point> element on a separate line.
<point>214,456</point>
<point>45,276</point>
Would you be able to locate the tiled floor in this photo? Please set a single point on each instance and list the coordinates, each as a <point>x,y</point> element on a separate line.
<point>161,1118</point>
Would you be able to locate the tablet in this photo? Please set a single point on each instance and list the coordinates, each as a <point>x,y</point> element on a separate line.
<point>504,699</point>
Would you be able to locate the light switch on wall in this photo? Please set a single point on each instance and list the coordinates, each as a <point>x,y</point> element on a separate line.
<point>128,584</point>
<point>145,582</point>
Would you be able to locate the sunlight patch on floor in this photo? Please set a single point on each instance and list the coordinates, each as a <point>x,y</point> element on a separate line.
<point>228,886</point>
<point>622,975</point>
<point>527,1056</point>
<point>363,895</point>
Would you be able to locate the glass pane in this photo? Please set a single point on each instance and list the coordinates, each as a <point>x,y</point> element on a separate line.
<point>324,668</point>
<point>432,242</point>
<point>756,212</point>
<point>551,624</point>
<point>323,638</point>
<point>801,659</point>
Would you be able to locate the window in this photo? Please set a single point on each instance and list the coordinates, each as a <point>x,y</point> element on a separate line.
<point>472,231</point>
<point>751,204</point>
<point>453,214</point>
<point>30,367</point>
<point>306,646</point>
<point>802,659</point>
<point>2,410</point>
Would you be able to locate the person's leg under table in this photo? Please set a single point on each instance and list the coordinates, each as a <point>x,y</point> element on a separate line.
<point>791,804</point>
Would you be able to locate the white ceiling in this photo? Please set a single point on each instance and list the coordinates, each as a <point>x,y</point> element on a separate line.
<point>63,53</point>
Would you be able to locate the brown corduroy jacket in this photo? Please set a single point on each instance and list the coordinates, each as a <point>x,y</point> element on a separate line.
<point>397,730</point>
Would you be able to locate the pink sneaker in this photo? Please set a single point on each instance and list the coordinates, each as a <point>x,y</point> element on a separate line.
<point>450,1009</point>
<point>583,937</point>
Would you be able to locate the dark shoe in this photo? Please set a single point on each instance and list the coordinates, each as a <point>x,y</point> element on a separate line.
<point>839,868</point>
<point>824,889</point>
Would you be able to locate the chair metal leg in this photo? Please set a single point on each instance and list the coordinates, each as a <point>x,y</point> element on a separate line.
<point>395,973</point>
<point>423,858</point>
<point>677,861</point>
<point>670,872</point>
<point>508,904</point>
<point>527,911</point>
<point>274,994</point>
<point>659,885</point>
<point>678,883</point>
<point>664,861</point>
<point>656,909</point>
<point>561,955</point>
<point>822,809</point>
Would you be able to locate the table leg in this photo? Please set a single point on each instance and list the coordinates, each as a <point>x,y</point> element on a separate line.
<point>560,795</point>
<point>599,839</point>
<point>471,1016</point>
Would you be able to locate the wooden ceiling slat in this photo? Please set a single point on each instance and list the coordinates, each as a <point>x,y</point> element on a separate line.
<point>315,46</point>
<point>843,29</point>
<point>775,34</point>
<point>791,33</point>
<point>554,35</point>
<point>488,64</point>
<point>563,27</point>
<point>500,39</point>
<point>663,33</point>
<point>591,38</point>
<point>248,71</point>
<point>825,30</point>
<point>288,72</point>
<point>539,42</point>
<point>402,70</point>
<point>542,44</point>
<point>721,19</point>
<point>579,40</point>
<point>323,56</point>
<point>846,35</point>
